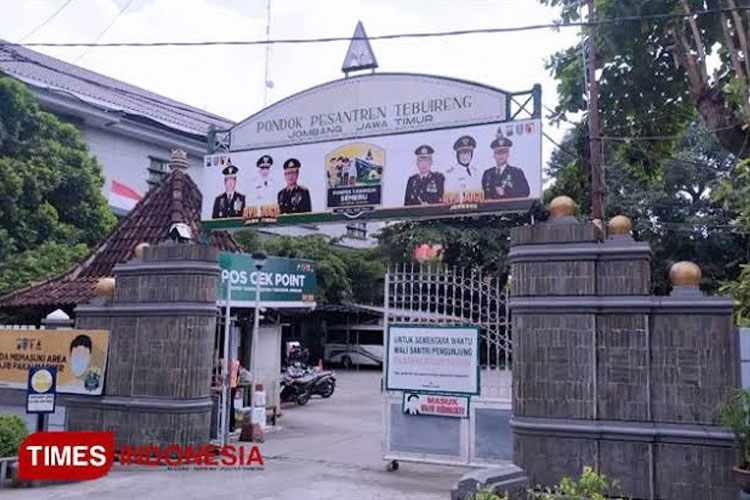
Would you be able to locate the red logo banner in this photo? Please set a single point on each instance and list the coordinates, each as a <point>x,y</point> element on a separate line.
<point>66,456</point>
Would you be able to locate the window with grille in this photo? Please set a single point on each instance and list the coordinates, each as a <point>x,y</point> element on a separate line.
<point>158,169</point>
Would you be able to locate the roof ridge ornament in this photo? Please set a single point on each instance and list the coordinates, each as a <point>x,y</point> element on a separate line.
<point>359,55</point>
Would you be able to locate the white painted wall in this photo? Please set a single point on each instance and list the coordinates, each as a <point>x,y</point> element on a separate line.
<point>125,159</point>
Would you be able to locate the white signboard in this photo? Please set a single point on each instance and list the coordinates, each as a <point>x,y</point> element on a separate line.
<point>377,147</point>
<point>361,106</point>
<point>433,358</point>
<point>387,177</point>
<point>441,405</point>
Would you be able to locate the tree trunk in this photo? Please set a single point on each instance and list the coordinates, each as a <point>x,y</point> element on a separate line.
<point>723,122</point>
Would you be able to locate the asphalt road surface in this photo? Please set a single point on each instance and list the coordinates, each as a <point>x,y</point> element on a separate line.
<point>329,449</point>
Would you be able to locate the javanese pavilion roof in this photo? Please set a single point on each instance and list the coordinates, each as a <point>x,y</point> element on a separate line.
<point>176,199</point>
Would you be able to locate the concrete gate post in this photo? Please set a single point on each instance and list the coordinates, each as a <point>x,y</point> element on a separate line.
<point>162,321</point>
<point>604,374</point>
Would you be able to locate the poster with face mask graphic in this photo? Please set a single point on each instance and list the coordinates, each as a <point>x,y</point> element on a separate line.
<point>80,357</point>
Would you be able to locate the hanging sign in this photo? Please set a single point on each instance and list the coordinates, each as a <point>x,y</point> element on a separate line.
<point>441,405</point>
<point>284,283</point>
<point>433,358</point>
<point>382,146</point>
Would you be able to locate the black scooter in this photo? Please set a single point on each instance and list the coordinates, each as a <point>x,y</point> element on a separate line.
<point>324,384</point>
<point>296,388</point>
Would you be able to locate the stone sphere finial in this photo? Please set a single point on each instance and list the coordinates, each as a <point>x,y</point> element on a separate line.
<point>562,206</point>
<point>105,287</point>
<point>139,248</point>
<point>619,225</point>
<point>685,274</point>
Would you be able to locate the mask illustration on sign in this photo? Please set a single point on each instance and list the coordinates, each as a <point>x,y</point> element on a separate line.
<point>80,355</point>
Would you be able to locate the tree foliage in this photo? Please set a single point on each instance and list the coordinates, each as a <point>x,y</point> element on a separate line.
<point>51,204</point>
<point>468,242</point>
<point>735,192</point>
<point>675,213</point>
<point>342,274</point>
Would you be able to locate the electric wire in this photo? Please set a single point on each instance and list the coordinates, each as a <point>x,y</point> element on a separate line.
<point>415,35</point>
<point>45,22</point>
<point>104,31</point>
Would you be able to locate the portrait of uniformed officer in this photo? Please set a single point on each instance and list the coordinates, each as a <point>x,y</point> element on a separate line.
<point>263,190</point>
<point>425,187</point>
<point>503,180</point>
<point>230,203</point>
<point>463,176</point>
<point>293,199</point>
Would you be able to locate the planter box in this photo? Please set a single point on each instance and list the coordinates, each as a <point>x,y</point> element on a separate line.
<point>7,466</point>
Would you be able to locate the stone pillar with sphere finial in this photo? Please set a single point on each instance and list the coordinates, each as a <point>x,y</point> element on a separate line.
<point>160,310</point>
<point>608,375</point>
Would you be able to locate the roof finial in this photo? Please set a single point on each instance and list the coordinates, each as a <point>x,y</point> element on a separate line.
<point>360,55</point>
<point>178,160</point>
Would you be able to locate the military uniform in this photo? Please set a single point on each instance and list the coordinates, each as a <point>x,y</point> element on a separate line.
<point>294,199</point>
<point>426,188</point>
<point>511,179</point>
<point>225,205</point>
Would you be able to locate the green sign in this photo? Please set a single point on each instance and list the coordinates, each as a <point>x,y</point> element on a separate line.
<point>284,282</point>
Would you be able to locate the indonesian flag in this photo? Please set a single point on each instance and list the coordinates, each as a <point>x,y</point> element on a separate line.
<point>122,196</point>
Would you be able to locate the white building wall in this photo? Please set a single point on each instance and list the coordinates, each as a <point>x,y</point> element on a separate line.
<point>125,159</point>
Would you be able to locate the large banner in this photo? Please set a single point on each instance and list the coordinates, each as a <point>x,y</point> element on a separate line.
<point>284,283</point>
<point>80,357</point>
<point>433,358</point>
<point>377,147</point>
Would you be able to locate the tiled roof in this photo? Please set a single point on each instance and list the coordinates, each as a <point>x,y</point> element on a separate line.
<point>46,72</point>
<point>176,199</point>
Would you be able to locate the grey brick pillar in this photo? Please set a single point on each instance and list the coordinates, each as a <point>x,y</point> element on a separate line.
<point>604,374</point>
<point>162,322</point>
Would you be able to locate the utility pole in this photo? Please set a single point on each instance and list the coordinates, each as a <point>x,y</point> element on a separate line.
<point>595,142</point>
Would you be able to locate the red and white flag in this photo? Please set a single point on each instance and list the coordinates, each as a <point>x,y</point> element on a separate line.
<point>122,196</point>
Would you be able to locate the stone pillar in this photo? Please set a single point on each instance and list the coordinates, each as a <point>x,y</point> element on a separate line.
<point>604,374</point>
<point>162,322</point>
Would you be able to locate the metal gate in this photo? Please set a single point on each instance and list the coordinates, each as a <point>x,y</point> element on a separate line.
<point>447,295</point>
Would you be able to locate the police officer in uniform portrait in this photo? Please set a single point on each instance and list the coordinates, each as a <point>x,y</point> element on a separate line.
<point>424,187</point>
<point>230,203</point>
<point>503,180</point>
<point>293,199</point>
<point>263,191</point>
<point>463,176</point>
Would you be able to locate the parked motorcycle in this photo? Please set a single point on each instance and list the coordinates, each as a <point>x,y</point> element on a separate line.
<point>299,382</point>
<point>324,384</point>
<point>296,388</point>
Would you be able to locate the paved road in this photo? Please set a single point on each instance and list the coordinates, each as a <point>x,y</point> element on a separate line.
<point>329,449</point>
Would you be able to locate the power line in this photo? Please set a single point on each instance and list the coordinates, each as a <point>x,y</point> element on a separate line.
<point>101,34</point>
<point>45,22</point>
<point>435,34</point>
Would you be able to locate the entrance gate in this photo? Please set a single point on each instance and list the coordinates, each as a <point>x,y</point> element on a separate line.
<point>446,295</point>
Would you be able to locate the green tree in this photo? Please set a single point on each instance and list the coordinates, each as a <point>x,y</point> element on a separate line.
<point>468,242</point>
<point>735,192</point>
<point>343,274</point>
<point>51,204</point>
<point>654,74</point>
<point>674,212</point>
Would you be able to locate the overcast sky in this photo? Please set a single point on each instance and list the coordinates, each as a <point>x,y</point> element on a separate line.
<point>229,81</point>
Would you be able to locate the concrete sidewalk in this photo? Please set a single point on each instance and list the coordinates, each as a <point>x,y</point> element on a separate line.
<point>329,449</point>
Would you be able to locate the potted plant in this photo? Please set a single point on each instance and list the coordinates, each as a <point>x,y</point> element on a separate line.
<point>12,433</point>
<point>735,416</point>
